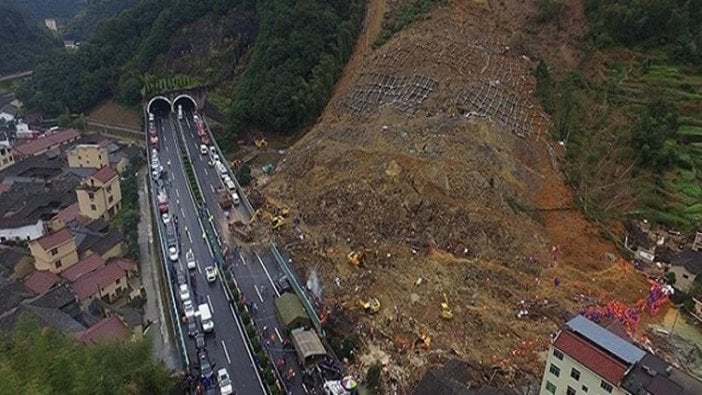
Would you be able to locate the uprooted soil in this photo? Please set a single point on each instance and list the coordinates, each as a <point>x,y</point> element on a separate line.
<point>433,159</point>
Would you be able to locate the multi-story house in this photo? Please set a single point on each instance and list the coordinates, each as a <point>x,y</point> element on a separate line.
<point>100,196</point>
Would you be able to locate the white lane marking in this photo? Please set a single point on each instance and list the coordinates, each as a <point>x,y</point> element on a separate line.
<point>188,234</point>
<point>226,353</point>
<point>177,194</point>
<point>199,270</point>
<point>165,148</point>
<point>212,188</point>
<point>182,211</point>
<point>241,256</point>
<point>205,169</point>
<point>233,313</point>
<point>268,275</point>
<point>209,302</point>
<point>258,293</point>
<point>278,333</point>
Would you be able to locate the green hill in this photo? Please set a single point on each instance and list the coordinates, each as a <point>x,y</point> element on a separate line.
<point>21,41</point>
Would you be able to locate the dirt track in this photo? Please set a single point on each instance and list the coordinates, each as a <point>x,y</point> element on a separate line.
<point>432,158</point>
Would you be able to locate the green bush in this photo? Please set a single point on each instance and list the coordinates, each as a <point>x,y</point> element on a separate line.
<point>262,359</point>
<point>250,330</point>
<point>373,378</point>
<point>245,318</point>
<point>269,377</point>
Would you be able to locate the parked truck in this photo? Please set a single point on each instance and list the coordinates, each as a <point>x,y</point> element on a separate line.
<point>205,317</point>
<point>224,198</point>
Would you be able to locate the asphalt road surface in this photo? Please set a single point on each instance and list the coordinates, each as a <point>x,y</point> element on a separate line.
<point>226,345</point>
<point>257,274</point>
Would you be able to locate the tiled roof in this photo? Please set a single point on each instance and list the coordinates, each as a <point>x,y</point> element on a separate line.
<point>590,356</point>
<point>109,329</point>
<point>126,264</point>
<point>105,174</point>
<point>12,293</point>
<point>35,146</point>
<point>101,243</point>
<point>91,283</point>
<point>691,260</point>
<point>70,213</point>
<point>83,267</point>
<point>55,239</point>
<point>40,281</point>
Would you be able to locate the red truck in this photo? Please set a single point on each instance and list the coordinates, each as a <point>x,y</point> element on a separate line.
<point>162,202</point>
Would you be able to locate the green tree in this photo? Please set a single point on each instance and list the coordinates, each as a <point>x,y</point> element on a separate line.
<point>244,175</point>
<point>40,361</point>
<point>64,120</point>
<point>373,378</point>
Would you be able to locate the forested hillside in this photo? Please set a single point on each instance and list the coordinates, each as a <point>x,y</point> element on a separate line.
<point>113,61</point>
<point>300,51</point>
<point>22,42</point>
<point>629,114</point>
<point>37,10</point>
<point>91,13</point>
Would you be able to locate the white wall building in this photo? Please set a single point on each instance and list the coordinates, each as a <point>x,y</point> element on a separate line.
<point>16,230</point>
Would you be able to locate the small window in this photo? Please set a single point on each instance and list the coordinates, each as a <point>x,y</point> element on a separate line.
<point>606,386</point>
<point>3,239</point>
<point>58,264</point>
<point>558,354</point>
<point>584,388</point>
<point>575,373</point>
<point>550,387</point>
<point>54,251</point>
<point>78,157</point>
<point>117,282</point>
<point>570,391</point>
<point>555,370</point>
<point>93,207</point>
<point>110,199</point>
<point>685,276</point>
<point>91,195</point>
<point>109,188</point>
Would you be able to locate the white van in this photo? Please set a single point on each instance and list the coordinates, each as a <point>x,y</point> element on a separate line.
<point>221,169</point>
<point>151,117</point>
<point>205,317</point>
<point>180,111</point>
<point>235,198</point>
<point>230,185</point>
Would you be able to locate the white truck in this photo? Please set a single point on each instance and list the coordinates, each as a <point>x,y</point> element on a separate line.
<point>180,111</point>
<point>205,317</point>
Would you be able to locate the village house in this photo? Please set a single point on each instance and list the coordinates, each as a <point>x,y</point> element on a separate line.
<point>585,358</point>
<point>47,143</point>
<point>7,157</point>
<point>99,195</point>
<point>686,265</point>
<point>88,155</point>
<point>54,252</point>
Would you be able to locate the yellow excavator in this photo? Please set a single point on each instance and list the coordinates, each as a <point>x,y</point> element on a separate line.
<point>446,312</point>
<point>355,258</point>
<point>261,143</point>
<point>370,306</point>
<point>276,221</point>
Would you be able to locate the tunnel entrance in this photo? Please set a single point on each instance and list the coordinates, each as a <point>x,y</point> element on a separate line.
<point>188,103</point>
<point>160,106</point>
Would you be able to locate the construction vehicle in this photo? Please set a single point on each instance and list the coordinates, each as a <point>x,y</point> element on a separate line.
<point>241,230</point>
<point>276,221</point>
<point>446,312</point>
<point>261,143</point>
<point>423,339</point>
<point>355,258</point>
<point>224,199</point>
<point>370,306</point>
<point>276,207</point>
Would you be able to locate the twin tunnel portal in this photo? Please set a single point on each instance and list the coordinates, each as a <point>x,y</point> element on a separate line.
<point>162,105</point>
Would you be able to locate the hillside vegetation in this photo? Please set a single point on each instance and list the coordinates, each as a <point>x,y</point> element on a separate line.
<point>37,10</point>
<point>91,13</point>
<point>113,61</point>
<point>37,361</point>
<point>22,42</point>
<point>629,114</point>
<point>298,55</point>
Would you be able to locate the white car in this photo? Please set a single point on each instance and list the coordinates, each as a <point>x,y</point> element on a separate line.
<point>190,259</point>
<point>226,178</point>
<point>203,149</point>
<point>166,218</point>
<point>211,274</point>
<point>184,292</point>
<point>188,308</point>
<point>155,163</point>
<point>225,383</point>
<point>173,253</point>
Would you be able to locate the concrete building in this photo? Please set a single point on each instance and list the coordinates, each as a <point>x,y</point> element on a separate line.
<point>88,155</point>
<point>16,229</point>
<point>54,252</point>
<point>586,358</point>
<point>7,157</point>
<point>100,196</point>
<point>686,265</point>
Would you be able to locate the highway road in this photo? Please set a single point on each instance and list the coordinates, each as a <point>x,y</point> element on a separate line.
<point>257,273</point>
<point>226,345</point>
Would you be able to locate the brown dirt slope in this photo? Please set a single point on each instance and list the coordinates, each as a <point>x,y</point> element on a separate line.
<point>431,158</point>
